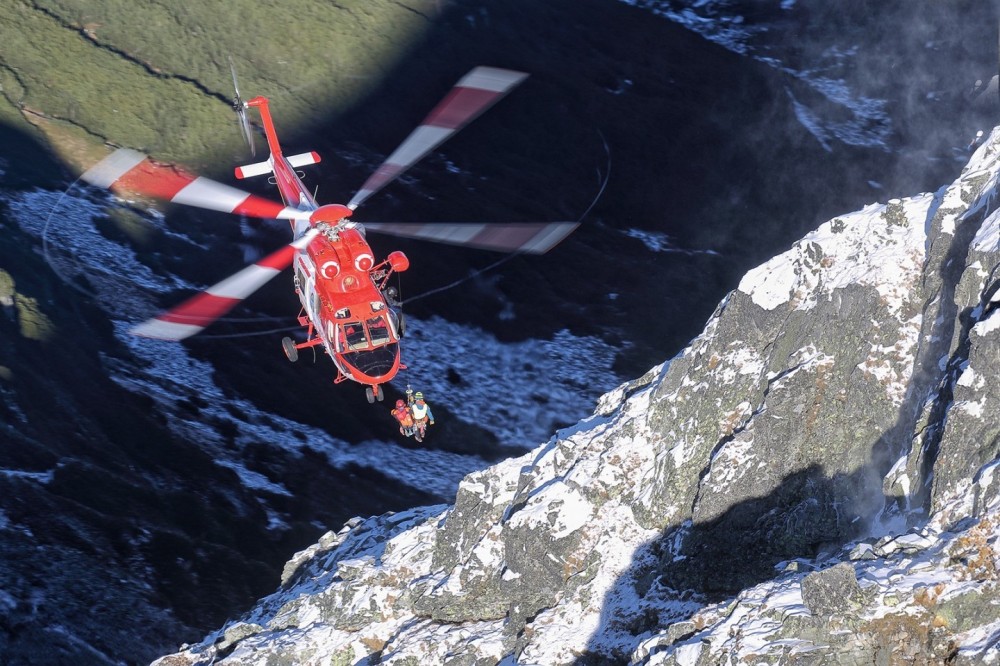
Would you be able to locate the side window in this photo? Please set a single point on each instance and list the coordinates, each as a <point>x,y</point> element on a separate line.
<point>313,302</point>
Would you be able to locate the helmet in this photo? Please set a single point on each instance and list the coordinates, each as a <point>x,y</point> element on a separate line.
<point>419,396</point>
<point>400,403</point>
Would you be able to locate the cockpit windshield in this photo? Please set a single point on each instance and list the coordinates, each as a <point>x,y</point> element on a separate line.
<point>362,336</point>
<point>378,330</point>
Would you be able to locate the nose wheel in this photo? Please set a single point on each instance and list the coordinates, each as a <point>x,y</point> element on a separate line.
<point>374,394</point>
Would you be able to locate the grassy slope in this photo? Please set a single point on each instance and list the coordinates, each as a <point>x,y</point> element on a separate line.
<point>156,76</point>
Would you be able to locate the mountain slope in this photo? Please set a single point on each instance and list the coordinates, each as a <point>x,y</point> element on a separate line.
<point>169,482</point>
<point>824,449</point>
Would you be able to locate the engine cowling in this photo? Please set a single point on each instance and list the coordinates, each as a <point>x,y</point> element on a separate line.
<point>330,213</point>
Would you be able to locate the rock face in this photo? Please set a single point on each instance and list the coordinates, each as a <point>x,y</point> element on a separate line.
<point>729,502</point>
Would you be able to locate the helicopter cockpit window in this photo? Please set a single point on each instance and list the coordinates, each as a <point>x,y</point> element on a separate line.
<point>354,336</point>
<point>378,329</point>
<point>357,336</point>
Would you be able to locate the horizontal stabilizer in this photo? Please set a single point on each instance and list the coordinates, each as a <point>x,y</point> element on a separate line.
<point>265,167</point>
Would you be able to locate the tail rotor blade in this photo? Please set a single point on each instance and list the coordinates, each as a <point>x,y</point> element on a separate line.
<point>241,111</point>
<point>472,95</point>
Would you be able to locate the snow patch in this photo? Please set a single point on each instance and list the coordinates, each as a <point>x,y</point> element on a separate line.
<point>988,237</point>
<point>988,325</point>
<point>892,236</point>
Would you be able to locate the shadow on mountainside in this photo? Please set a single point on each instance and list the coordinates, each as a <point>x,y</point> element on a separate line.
<point>120,538</point>
<point>696,564</point>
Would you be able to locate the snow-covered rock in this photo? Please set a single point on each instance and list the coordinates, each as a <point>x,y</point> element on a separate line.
<point>812,475</point>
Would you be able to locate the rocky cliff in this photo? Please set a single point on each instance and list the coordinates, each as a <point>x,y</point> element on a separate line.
<point>810,479</point>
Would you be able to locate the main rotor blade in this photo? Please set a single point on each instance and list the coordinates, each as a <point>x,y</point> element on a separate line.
<point>472,95</point>
<point>126,171</point>
<point>529,237</point>
<point>194,314</point>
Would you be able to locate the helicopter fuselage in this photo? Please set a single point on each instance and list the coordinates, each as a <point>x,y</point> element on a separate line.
<point>337,280</point>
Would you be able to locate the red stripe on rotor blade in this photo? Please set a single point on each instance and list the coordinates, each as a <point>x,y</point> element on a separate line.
<point>460,106</point>
<point>279,260</point>
<point>259,207</point>
<point>153,179</point>
<point>200,310</point>
<point>533,237</point>
<point>509,237</point>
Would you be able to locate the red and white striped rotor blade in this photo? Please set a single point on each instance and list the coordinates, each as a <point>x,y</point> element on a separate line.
<point>472,95</point>
<point>194,314</point>
<point>529,237</point>
<point>127,171</point>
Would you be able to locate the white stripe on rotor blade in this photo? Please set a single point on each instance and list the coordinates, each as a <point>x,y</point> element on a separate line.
<point>420,141</point>
<point>491,78</point>
<point>359,198</point>
<point>111,168</point>
<point>449,233</point>
<point>305,238</point>
<point>164,330</point>
<point>290,213</point>
<point>210,194</point>
<point>549,237</point>
<point>436,231</point>
<point>240,285</point>
<point>537,238</point>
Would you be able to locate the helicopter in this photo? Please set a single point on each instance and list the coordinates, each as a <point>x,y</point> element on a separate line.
<point>347,305</point>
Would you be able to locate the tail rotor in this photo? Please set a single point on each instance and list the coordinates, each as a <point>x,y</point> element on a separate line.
<point>241,111</point>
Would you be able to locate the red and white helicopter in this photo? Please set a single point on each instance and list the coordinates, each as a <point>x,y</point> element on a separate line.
<point>347,306</point>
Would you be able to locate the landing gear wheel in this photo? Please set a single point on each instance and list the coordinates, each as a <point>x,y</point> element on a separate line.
<point>370,394</point>
<point>290,351</point>
<point>378,393</point>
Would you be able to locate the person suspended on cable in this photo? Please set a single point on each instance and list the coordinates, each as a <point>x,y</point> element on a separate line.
<point>422,415</point>
<point>402,414</point>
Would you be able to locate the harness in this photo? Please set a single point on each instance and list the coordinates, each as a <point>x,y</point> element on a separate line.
<point>402,415</point>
